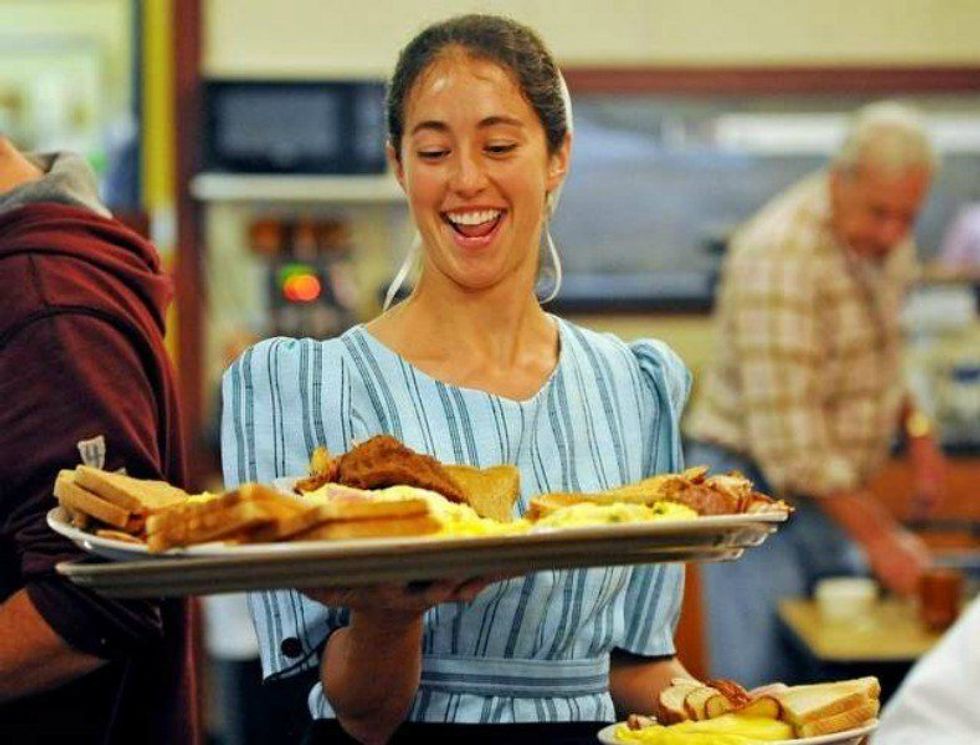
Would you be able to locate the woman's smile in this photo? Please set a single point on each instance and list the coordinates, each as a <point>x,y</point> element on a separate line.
<point>474,229</point>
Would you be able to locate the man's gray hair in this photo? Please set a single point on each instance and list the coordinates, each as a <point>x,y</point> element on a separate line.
<point>887,135</point>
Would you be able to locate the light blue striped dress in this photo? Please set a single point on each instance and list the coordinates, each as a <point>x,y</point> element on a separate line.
<point>534,648</point>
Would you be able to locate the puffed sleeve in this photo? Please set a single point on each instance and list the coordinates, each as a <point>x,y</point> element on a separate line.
<point>667,383</point>
<point>281,399</point>
<point>652,603</point>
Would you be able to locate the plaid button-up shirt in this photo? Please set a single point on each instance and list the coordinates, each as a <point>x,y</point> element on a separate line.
<point>807,381</point>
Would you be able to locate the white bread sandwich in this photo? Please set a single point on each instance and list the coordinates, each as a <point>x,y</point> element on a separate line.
<point>80,501</point>
<point>811,710</point>
<point>253,513</point>
<point>825,708</point>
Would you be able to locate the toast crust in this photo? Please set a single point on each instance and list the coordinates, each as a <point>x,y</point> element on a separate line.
<point>845,720</point>
<point>136,495</point>
<point>210,525</point>
<point>807,703</point>
<point>78,499</point>
<point>491,492</point>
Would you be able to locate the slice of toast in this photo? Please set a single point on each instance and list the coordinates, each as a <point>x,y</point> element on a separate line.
<point>671,701</point>
<point>808,703</point>
<point>491,492</point>
<point>74,498</point>
<point>290,515</point>
<point>718,705</point>
<point>841,722</point>
<point>193,509</point>
<point>218,521</point>
<point>142,496</point>
<point>696,702</point>
<point>764,706</point>
<point>374,528</point>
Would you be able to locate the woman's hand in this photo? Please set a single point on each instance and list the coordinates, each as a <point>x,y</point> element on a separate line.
<point>395,602</point>
<point>635,682</point>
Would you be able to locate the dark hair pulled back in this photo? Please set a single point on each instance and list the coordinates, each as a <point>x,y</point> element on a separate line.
<point>513,46</point>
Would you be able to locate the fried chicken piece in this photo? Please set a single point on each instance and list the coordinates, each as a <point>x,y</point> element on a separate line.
<point>323,470</point>
<point>383,461</point>
<point>702,498</point>
<point>731,690</point>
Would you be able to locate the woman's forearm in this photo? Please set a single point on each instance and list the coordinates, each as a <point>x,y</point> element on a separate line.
<point>370,673</point>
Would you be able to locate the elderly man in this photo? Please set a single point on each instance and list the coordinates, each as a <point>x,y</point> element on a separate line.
<point>83,372</point>
<point>806,392</point>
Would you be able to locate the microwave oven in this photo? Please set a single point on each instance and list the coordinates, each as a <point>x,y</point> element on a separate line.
<point>294,127</point>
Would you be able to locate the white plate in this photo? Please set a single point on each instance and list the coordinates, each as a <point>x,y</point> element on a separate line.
<point>116,550</point>
<point>107,548</point>
<point>850,737</point>
<point>216,567</point>
<point>721,531</point>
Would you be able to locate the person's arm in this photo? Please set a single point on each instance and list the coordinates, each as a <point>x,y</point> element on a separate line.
<point>777,335</point>
<point>60,380</point>
<point>371,671</point>
<point>635,682</point>
<point>371,668</point>
<point>33,657</point>
<point>896,556</point>
<point>926,457</point>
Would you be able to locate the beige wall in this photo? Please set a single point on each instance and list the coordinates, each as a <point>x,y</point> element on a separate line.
<point>106,23</point>
<point>330,37</point>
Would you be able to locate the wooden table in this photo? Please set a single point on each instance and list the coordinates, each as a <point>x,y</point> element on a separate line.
<point>885,642</point>
<point>890,632</point>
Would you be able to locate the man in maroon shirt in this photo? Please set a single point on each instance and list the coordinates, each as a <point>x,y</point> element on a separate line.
<point>83,369</point>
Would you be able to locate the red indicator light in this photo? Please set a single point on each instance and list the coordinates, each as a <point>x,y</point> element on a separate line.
<point>302,288</point>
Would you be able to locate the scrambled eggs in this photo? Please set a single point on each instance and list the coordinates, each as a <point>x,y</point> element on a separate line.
<point>457,520</point>
<point>460,520</point>
<point>589,513</point>
<point>729,729</point>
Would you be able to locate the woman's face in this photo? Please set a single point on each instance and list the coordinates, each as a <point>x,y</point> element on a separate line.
<point>476,169</point>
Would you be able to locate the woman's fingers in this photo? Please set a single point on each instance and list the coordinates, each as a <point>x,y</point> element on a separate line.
<point>417,595</point>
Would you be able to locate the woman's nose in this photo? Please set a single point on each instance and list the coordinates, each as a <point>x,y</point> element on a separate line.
<point>468,176</point>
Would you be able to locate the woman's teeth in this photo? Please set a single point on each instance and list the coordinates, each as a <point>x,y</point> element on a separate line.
<point>473,218</point>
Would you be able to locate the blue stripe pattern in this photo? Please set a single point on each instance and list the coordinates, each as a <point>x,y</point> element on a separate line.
<point>533,648</point>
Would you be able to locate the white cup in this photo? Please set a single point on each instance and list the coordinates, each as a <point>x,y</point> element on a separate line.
<point>845,598</point>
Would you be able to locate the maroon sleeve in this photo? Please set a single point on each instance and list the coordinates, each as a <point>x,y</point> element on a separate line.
<point>66,378</point>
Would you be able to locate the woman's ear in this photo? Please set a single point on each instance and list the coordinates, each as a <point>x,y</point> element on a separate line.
<point>558,163</point>
<point>395,164</point>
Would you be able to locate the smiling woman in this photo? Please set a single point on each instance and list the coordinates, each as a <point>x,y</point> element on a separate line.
<point>471,370</point>
<point>477,169</point>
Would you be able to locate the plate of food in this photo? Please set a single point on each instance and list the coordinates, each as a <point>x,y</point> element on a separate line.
<point>356,519</point>
<point>723,713</point>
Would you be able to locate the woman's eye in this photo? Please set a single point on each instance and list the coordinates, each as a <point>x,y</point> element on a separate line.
<point>501,149</point>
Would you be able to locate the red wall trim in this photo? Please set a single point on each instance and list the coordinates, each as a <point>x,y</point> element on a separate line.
<point>188,267</point>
